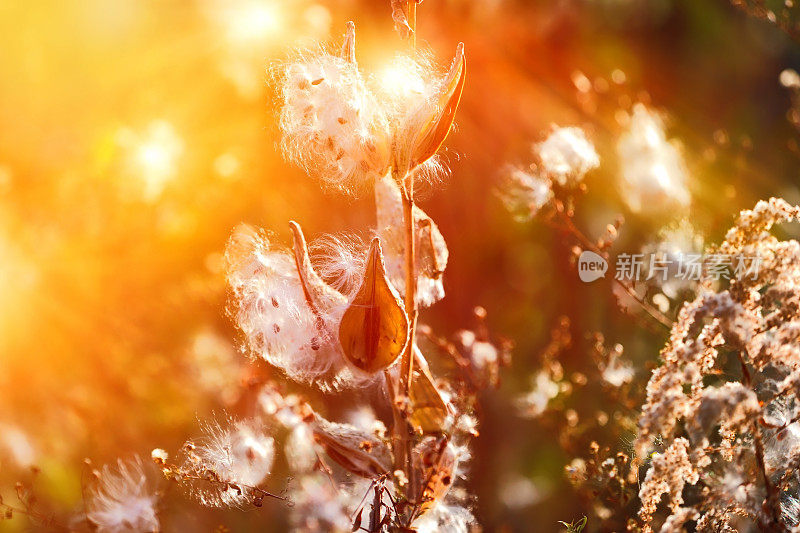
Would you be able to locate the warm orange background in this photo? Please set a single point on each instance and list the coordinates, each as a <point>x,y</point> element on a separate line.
<point>135,135</point>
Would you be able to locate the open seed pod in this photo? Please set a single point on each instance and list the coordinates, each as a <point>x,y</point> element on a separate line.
<point>333,126</point>
<point>425,128</point>
<point>374,329</point>
<point>319,295</point>
<point>289,315</point>
<point>430,137</point>
<point>354,450</point>
<point>272,305</point>
<point>434,462</point>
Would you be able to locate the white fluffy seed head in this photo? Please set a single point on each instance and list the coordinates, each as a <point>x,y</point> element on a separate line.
<point>347,129</point>
<point>332,124</point>
<point>364,419</point>
<point>535,402</point>
<point>406,86</point>
<point>340,261</point>
<point>525,192</point>
<point>677,248</point>
<point>567,155</point>
<point>123,500</point>
<point>16,445</point>
<point>300,449</point>
<point>618,373</point>
<point>408,89</point>
<point>320,507</point>
<point>790,79</point>
<point>240,455</point>
<point>444,518</point>
<point>271,308</point>
<point>653,170</point>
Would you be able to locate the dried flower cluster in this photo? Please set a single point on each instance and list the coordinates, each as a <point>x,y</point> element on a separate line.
<point>724,401</point>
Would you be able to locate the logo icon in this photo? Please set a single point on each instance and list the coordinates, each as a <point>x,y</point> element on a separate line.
<point>591,266</point>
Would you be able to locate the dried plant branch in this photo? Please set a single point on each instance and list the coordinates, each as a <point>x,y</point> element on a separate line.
<point>404,432</point>
<point>27,501</point>
<point>570,226</point>
<point>412,22</point>
<point>772,502</point>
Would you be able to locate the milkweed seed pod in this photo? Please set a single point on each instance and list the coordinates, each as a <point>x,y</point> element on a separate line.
<point>271,308</point>
<point>373,331</point>
<point>355,450</point>
<point>295,321</point>
<point>420,107</point>
<point>348,132</point>
<point>436,463</point>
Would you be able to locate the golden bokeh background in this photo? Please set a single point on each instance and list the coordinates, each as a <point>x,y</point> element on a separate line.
<point>134,135</point>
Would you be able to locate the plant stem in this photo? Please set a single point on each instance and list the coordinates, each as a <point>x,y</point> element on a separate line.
<point>33,516</point>
<point>584,241</point>
<point>407,193</point>
<point>403,430</point>
<point>412,22</point>
<point>772,503</point>
<point>411,283</point>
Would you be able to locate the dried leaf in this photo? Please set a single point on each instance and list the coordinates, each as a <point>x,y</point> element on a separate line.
<point>358,452</point>
<point>374,329</point>
<point>429,411</point>
<point>349,45</point>
<point>431,249</point>
<point>433,134</point>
